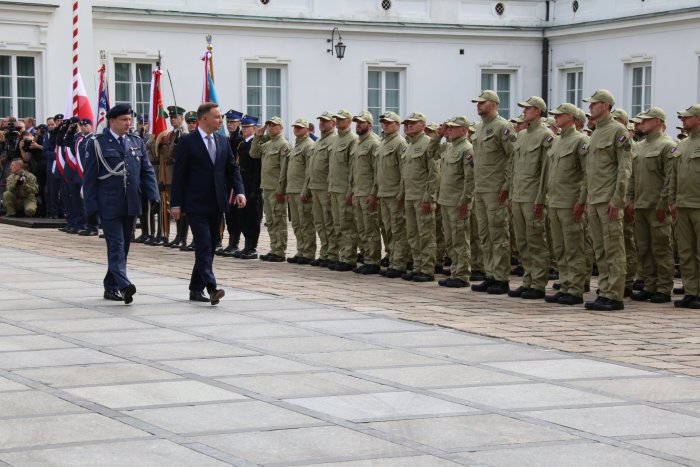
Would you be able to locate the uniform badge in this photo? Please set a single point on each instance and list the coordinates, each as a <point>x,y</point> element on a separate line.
<point>627,146</point>
<point>489,131</point>
<point>469,157</point>
<point>403,150</point>
<point>285,151</point>
<point>513,138</point>
<point>622,138</point>
<point>673,149</point>
<point>506,132</point>
<point>584,146</point>
<point>550,138</point>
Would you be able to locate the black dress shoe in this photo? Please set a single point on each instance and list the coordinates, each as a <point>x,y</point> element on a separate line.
<point>612,305</point>
<point>498,288</point>
<point>198,296</point>
<point>87,233</point>
<point>176,243</point>
<point>219,250</point>
<point>215,295</point>
<point>455,283</point>
<point>423,277</point>
<point>140,238</point>
<point>128,293</point>
<point>569,299</point>
<point>230,251</point>
<point>392,273</point>
<point>158,241</point>
<point>316,262</point>
<point>190,247</point>
<point>293,259</point>
<point>301,260</point>
<point>554,298</point>
<point>249,254</point>
<point>517,292</point>
<point>407,276</point>
<point>275,258</point>
<point>323,263</point>
<point>358,269</point>
<point>684,302</point>
<point>641,296</point>
<point>113,295</point>
<point>149,239</point>
<point>483,287</point>
<point>265,256</point>
<point>659,297</point>
<point>694,304</point>
<point>532,294</point>
<point>443,282</point>
<point>343,267</point>
<point>368,269</point>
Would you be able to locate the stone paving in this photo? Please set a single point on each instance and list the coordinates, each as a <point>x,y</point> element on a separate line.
<point>275,380</point>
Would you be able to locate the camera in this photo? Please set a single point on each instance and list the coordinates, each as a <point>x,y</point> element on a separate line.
<point>20,180</point>
<point>27,142</point>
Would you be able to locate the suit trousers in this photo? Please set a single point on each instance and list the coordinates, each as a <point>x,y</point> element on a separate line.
<point>117,231</point>
<point>206,231</point>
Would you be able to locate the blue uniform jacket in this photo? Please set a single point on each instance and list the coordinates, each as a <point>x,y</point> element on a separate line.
<point>114,196</point>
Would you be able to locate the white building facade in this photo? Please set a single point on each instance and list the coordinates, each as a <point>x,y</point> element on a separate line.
<point>270,56</point>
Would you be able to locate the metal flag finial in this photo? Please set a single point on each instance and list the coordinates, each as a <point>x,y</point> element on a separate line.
<point>209,46</point>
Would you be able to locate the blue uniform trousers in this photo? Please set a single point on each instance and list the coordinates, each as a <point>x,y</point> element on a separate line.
<point>77,207</point>
<point>118,231</point>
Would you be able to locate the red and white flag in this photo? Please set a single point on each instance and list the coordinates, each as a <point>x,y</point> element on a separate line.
<point>158,115</point>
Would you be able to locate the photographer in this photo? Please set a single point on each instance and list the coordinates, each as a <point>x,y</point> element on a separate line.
<point>20,191</point>
<point>9,149</point>
<point>32,152</point>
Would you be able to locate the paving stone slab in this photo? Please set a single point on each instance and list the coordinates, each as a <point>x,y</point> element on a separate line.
<point>493,353</point>
<point>132,336</point>
<point>253,331</point>
<point>57,357</point>
<point>309,344</point>
<point>413,461</point>
<point>43,314</point>
<point>310,314</point>
<point>687,447</point>
<point>427,338</point>
<point>205,318</point>
<point>435,376</point>
<point>177,350</point>
<point>9,330</point>
<point>29,403</point>
<point>9,385</point>
<point>356,359</point>
<point>31,342</point>
<point>103,323</point>
<point>95,374</point>
<point>689,406</point>
<point>352,326</point>
<point>231,366</point>
<point>659,389</point>
<point>571,368</point>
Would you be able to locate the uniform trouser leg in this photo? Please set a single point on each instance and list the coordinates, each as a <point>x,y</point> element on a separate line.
<point>384,228</point>
<point>548,230</point>
<point>117,231</point>
<point>420,231</point>
<point>8,200</point>
<point>513,244</point>
<point>531,239</point>
<point>344,225</point>
<point>65,197</point>
<point>588,250</point>
<point>233,224</point>
<point>303,227</point>
<point>494,236</point>
<point>29,206</point>
<point>206,230</point>
<point>688,233</point>
<point>631,255</point>
<point>276,222</point>
<point>251,217</point>
<point>609,245</point>
<point>477,260</point>
<point>441,243</point>
<point>77,206</point>
<point>394,219</point>
<point>457,233</point>
<point>654,250</point>
<point>360,226</point>
<point>372,239</point>
<point>568,245</point>
<point>323,222</point>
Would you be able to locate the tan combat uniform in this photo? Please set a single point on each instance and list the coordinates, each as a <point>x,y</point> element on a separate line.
<point>339,162</point>
<point>302,212</point>
<point>20,195</point>
<point>387,190</point>
<point>363,185</point>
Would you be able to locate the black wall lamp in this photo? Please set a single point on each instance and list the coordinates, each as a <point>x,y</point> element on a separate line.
<point>339,47</point>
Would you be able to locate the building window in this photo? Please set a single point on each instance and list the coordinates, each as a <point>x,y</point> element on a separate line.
<point>17,86</point>
<point>641,88</point>
<point>132,85</point>
<point>383,93</point>
<point>502,83</point>
<point>574,87</point>
<point>264,92</point>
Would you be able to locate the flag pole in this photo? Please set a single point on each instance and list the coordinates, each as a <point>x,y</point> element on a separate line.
<point>75,58</point>
<point>163,213</point>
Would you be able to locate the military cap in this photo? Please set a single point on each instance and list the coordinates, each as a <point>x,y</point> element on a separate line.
<point>273,121</point>
<point>42,126</point>
<point>581,115</point>
<point>566,108</point>
<point>390,117</point>
<point>326,116</point>
<point>519,119</point>
<point>488,95</point>
<point>58,117</point>
<point>118,110</point>
<point>653,112</point>
<point>459,120</point>
<point>301,123</point>
<point>74,119</point>
<point>191,116</point>
<point>143,118</point>
<point>363,116</point>
<point>550,122</point>
<point>343,114</point>
<point>534,101</point>
<point>174,111</point>
<point>630,127</point>
<point>233,115</point>
<point>415,117</point>
<point>432,126</point>
<point>472,128</point>
<point>86,121</point>
<point>637,118</point>
<point>601,95</point>
<point>620,114</point>
<point>249,120</point>
<point>692,111</point>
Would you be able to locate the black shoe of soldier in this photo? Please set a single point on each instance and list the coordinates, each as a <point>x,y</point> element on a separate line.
<point>532,294</point>
<point>385,261</point>
<point>638,285</point>
<point>684,302</point>
<point>498,288</point>
<point>483,287</point>
<point>392,273</point>
<point>198,296</point>
<point>113,295</point>
<point>569,299</point>
<point>368,269</point>
<point>556,286</point>
<point>641,296</point>
<point>273,258</point>
<point>407,276</point>
<point>456,283</point>
<point>293,259</point>
<point>477,276</point>
<point>694,304</point>
<point>679,291</point>
<point>423,277</point>
<point>357,269</point>
<point>517,292</point>
<point>302,260</point>
<point>343,267</point>
<point>517,271</point>
<point>554,298</point>
<point>659,297</point>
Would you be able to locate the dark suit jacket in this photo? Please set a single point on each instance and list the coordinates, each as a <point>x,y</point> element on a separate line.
<point>200,187</point>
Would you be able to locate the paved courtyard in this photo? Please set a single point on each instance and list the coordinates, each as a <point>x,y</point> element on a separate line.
<point>301,367</point>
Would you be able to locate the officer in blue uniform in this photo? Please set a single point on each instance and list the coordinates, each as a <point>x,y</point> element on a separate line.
<point>116,172</point>
<point>72,179</point>
<point>80,142</point>
<point>53,178</point>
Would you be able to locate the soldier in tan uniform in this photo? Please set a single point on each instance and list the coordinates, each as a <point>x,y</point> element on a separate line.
<point>20,190</point>
<point>418,189</point>
<point>364,193</point>
<point>441,248</point>
<point>388,193</point>
<point>273,151</point>
<point>455,199</point>
<point>493,151</point>
<point>527,198</point>
<point>566,203</point>
<point>608,167</point>
<point>301,210</point>
<point>685,202</point>
<point>316,189</point>
<point>477,258</point>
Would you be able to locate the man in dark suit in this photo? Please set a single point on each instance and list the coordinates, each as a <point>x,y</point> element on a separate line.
<point>204,173</point>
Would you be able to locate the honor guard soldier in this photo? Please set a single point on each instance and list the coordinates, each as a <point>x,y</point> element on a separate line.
<point>273,151</point>
<point>364,194</point>
<point>233,227</point>
<point>165,152</point>
<point>565,182</point>
<point>418,189</point>
<point>91,222</point>
<point>493,150</point>
<point>73,179</point>
<point>685,202</point>
<point>117,171</point>
<point>316,188</point>
<point>608,167</point>
<point>233,123</point>
<point>301,211</point>
<point>248,219</point>
<point>649,194</point>
<point>527,198</point>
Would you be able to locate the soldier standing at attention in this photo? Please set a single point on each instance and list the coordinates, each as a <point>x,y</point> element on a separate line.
<point>419,189</point>
<point>364,193</point>
<point>302,211</point>
<point>685,203</point>
<point>316,189</point>
<point>527,196</point>
<point>608,167</point>
<point>339,167</point>
<point>648,195</point>
<point>165,147</point>
<point>273,150</point>
<point>493,150</point>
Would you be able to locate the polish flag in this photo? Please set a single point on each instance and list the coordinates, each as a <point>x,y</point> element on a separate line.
<point>83,109</point>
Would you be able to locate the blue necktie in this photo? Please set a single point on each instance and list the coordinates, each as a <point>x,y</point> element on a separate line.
<point>120,140</point>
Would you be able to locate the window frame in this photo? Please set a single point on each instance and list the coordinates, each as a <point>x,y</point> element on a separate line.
<point>578,90</point>
<point>512,88</point>
<point>264,67</point>
<point>14,77</point>
<point>383,70</point>
<point>647,84</point>
<point>134,83</point>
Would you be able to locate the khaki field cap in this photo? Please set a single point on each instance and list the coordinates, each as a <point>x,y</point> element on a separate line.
<point>581,115</point>
<point>363,116</point>
<point>459,120</point>
<point>692,111</point>
<point>432,126</point>
<point>301,123</point>
<point>620,114</point>
<point>637,118</point>
<point>653,112</point>
<point>343,114</point>
<point>472,129</point>
<point>390,117</point>
<point>519,119</point>
<point>601,95</point>
<point>630,127</point>
<point>326,116</point>
<point>566,108</point>
<point>274,121</point>
<point>534,101</point>
<point>415,117</point>
<point>550,122</point>
<point>488,95</point>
